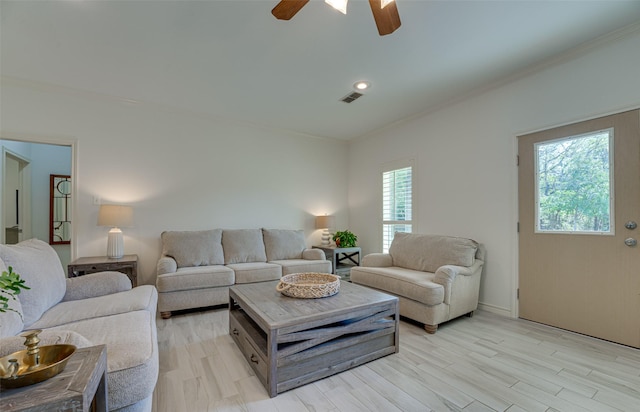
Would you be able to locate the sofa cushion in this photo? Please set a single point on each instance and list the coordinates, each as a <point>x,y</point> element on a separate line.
<point>256,272</point>
<point>429,252</point>
<point>11,320</point>
<point>411,284</point>
<point>194,248</point>
<point>132,353</point>
<point>12,344</point>
<point>143,297</point>
<point>282,244</point>
<point>303,265</point>
<point>38,264</point>
<point>243,246</point>
<point>195,278</point>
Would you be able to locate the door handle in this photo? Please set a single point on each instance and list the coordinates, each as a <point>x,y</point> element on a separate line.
<point>630,242</point>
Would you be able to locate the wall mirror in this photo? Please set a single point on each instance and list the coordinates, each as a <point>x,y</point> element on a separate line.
<point>60,210</point>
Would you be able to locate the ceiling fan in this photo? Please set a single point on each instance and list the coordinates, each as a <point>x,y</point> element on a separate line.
<point>385,12</point>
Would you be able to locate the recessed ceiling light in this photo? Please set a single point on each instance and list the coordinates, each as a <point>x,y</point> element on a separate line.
<point>362,85</point>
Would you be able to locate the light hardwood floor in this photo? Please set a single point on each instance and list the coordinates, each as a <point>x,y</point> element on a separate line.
<point>484,363</point>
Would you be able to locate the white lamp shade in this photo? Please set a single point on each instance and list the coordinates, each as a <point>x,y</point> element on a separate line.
<point>115,216</point>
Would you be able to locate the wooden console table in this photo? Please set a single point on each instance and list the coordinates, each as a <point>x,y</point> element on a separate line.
<point>128,264</point>
<point>82,386</point>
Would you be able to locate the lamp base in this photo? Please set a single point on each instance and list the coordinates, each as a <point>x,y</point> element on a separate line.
<point>326,237</point>
<point>115,244</point>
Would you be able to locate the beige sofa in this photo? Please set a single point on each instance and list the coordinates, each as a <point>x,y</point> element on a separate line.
<point>99,308</point>
<point>436,278</point>
<point>197,267</point>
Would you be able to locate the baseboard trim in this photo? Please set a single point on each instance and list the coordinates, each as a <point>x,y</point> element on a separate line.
<point>495,309</point>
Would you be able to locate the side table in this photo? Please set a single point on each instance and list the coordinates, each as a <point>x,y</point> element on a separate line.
<point>82,386</point>
<point>342,259</point>
<point>128,264</point>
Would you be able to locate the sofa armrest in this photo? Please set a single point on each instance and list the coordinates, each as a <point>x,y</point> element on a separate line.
<point>96,284</point>
<point>313,254</point>
<point>446,275</point>
<point>377,260</point>
<point>166,264</point>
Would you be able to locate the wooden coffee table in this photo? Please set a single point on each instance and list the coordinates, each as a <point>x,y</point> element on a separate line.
<point>290,342</point>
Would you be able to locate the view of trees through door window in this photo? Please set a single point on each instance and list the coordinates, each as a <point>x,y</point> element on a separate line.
<point>574,184</point>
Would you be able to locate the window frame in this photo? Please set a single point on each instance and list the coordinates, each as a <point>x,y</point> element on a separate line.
<point>389,167</point>
<point>536,223</point>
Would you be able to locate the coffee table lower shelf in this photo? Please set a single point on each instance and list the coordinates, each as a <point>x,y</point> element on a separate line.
<point>293,354</point>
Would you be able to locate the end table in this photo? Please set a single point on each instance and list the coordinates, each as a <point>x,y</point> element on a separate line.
<point>82,386</point>
<point>128,264</point>
<point>342,259</point>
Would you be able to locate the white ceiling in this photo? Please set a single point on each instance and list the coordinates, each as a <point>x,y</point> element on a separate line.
<point>233,59</point>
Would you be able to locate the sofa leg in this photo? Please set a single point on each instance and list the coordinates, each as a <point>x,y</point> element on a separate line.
<point>431,329</point>
<point>165,315</point>
<point>470,314</point>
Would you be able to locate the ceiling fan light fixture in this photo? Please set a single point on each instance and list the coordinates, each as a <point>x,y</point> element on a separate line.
<point>340,5</point>
<point>361,85</point>
<point>385,3</point>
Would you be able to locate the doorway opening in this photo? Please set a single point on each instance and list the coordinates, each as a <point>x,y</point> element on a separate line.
<point>26,164</point>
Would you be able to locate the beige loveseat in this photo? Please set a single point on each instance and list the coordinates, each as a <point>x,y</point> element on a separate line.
<point>436,278</point>
<point>197,267</point>
<point>99,308</point>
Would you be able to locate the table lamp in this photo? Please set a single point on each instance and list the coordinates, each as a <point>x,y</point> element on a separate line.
<point>325,222</point>
<point>115,216</point>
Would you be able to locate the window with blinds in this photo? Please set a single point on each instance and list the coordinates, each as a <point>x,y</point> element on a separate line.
<point>397,202</point>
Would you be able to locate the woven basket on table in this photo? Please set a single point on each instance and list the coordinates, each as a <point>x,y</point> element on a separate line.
<point>309,285</point>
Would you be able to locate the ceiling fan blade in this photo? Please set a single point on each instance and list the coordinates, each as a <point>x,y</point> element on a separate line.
<point>387,19</point>
<point>286,9</point>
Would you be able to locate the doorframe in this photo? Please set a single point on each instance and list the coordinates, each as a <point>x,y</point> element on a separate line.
<point>25,195</point>
<point>515,309</point>
<point>57,140</point>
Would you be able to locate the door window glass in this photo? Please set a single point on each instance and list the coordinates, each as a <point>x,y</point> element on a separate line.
<point>574,184</point>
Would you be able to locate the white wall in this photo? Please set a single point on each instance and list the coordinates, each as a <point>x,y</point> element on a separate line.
<point>179,171</point>
<point>465,153</point>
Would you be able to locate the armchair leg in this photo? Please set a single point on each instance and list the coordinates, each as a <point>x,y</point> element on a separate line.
<point>431,329</point>
<point>165,315</point>
<point>470,314</point>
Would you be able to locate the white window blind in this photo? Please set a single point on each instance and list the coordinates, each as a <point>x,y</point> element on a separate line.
<point>397,202</point>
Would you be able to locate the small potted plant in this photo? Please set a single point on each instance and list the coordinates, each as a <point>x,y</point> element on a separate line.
<point>345,238</point>
<point>10,285</point>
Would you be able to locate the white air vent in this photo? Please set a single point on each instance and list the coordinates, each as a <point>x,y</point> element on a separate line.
<point>351,97</point>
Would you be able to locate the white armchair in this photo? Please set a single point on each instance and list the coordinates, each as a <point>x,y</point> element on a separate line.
<point>436,278</point>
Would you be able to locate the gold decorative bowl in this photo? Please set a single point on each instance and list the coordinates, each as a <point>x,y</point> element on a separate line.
<point>34,364</point>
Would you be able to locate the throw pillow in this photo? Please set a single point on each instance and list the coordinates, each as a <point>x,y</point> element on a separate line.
<point>428,252</point>
<point>194,248</point>
<point>243,246</point>
<point>282,244</point>
<point>39,265</point>
<point>10,321</point>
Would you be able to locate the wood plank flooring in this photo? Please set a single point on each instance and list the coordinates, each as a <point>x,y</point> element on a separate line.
<point>484,363</point>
